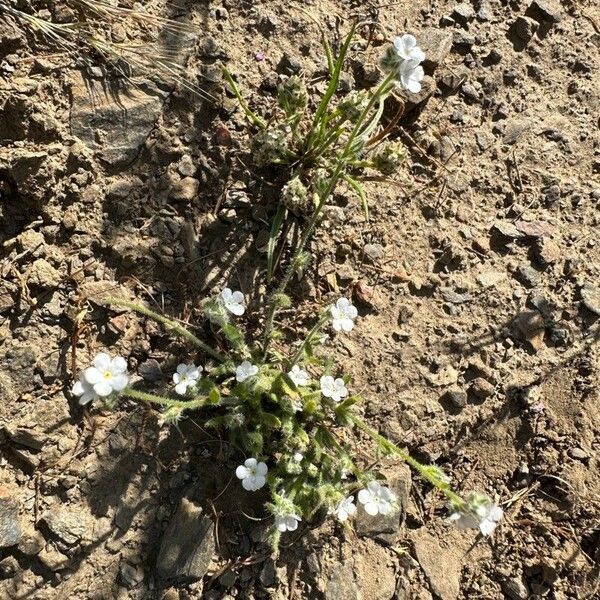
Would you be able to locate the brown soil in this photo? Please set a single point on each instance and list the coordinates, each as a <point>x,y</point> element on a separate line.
<point>476,278</point>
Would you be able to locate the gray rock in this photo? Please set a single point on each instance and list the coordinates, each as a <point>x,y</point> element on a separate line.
<point>26,437</point>
<point>590,296</point>
<point>228,578</point>
<point>527,275</point>
<point>442,565</point>
<point>10,529</point>
<point>114,125</point>
<point>184,190</point>
<point>482,388</point>
<point>545,11</point>
<point>9,567</point>
<point>267,573</point>
<point>456,398</point>
<point>68,526</point>
<point>490,278</point>
<point>130,575</point>
<point>187,545</point>
<point>515,588</point>
<point>514,129</point>
<point>43,275</point>
<point>577,453</point>
<point>463,13</point>
<point>449,295</point>
<point>436,43</point>
<point>373,252</point>
<point>53,559</point>
<point>150,370</point>
<point>341,584</point>
<point>525,27</point>
<point>31,543</point>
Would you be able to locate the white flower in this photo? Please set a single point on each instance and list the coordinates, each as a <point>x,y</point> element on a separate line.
<point>245,370</point>
<point>407,49</point>
<point>333,388</point>
<point>233,301</point>
<point>287,522</point>
<point>345,509</point>
<point>107,375</point>
<point>377,499</point>
<point>298,456</point>
<point>299,376</point>
<point>186,377</point>
<point>411,75</point>
<point>478,513</point>
<point>84,390</point>
<point>343,313</point>
<point>253,474</point>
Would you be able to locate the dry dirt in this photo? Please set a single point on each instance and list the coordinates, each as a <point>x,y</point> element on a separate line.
<point>476,278</point>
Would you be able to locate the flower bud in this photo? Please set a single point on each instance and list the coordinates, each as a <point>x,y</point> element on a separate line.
<point>388,158</point>
<point>171,415</point>
<point>292,95</point>
<point>282,300</point>
<point>271,146</point>
<point>352,106</point>
<point>294,196</point>
<point>390,61</point>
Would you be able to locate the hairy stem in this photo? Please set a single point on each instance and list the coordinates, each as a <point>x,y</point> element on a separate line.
<point>454,498</point>
<point>311,334</point>
<point>168,324</point>
<point>162,401</point>
<point>249,113</point>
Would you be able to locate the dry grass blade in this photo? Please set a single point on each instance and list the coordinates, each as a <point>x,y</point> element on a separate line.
<point>149,58</point>
<point>111,12</point>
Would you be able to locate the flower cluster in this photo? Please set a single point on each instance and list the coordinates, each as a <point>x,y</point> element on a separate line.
<point>104,379</point>
<point>477,512</point>
<point>404,58</point>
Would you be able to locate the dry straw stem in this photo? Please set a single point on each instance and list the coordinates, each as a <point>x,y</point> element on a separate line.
<point>82,36</point>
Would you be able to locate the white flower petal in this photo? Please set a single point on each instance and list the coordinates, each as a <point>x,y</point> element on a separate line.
<point>236,309</point>
<point>371,508</point>
<point>101,361</point>
<point>119,382</point>
<point>87,397</point>
<point>103,388</point>
<point>181,388</point>
<point>77,389</point>
<point>118,365</point>
<point>242,472</point>
<point>248,484</point>
<point>92,375</point>
<point>251,463</point>
<point>262,469</point>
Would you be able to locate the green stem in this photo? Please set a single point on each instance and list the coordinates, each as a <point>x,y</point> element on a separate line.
<point>311,334</point>
<point>454,498</point>
<point>249,113</point>
<point>383,88</point>
<point>168,324</point>
<point>162,401</point>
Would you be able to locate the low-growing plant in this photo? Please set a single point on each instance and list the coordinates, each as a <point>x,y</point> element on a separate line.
<point>289,408</point>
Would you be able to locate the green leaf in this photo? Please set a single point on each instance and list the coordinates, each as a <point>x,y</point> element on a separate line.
<point>253,441</point>
<point>214,396</point>
<point>270,420</point>
<point>360,192</point>
<point>273,235</point>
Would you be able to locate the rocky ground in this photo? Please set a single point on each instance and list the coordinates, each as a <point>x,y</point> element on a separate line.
<point>476,278</point>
